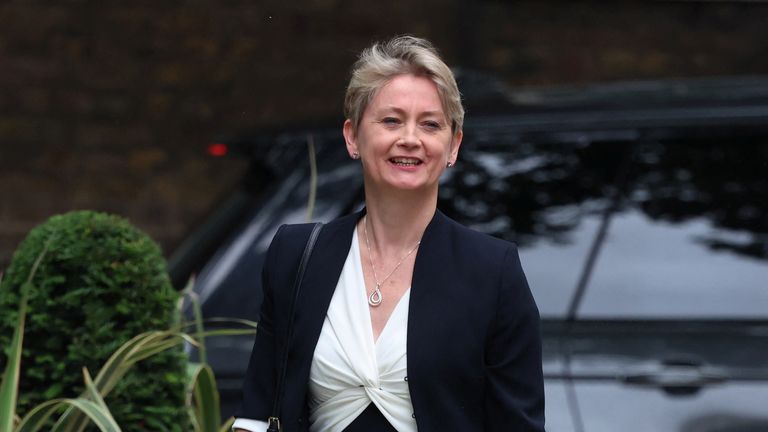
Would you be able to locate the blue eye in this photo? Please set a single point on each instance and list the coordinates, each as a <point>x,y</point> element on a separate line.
<point>433,125</point>
<point>390,121</point>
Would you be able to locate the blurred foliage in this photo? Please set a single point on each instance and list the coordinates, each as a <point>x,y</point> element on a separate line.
<point>101,283</point>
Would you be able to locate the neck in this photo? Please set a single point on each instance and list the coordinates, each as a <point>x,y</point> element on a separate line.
<point>396,221</point>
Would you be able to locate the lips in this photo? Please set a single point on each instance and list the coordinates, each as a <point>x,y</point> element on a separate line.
<point>405,161</point>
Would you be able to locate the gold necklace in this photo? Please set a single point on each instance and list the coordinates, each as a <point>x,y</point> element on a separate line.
<point>375,298</point>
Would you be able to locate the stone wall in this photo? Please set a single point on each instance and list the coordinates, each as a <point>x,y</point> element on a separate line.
<point>109,105</point>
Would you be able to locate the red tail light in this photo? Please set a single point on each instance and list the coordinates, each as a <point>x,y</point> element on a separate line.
<point>218,149</point>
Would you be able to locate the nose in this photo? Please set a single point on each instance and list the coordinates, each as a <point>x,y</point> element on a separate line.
<point>410,136</point>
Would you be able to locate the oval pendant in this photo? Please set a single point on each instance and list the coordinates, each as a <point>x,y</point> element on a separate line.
<point>375,298</point>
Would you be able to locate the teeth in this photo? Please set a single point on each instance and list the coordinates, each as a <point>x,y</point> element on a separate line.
<point>403,161</point>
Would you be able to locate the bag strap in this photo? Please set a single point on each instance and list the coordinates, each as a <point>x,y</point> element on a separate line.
<point>274,421</point>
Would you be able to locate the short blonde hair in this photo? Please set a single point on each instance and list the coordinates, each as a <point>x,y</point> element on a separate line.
<point>401,55</point>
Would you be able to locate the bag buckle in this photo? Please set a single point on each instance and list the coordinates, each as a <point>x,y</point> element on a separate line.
<point>274,425</point>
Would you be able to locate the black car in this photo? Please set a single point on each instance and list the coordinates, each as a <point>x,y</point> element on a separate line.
<point>641,214</point>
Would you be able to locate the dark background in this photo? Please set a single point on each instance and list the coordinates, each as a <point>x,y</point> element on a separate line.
<point>109,105</point>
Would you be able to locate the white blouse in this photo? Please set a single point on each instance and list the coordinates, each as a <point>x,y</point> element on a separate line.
<point>349,370</point>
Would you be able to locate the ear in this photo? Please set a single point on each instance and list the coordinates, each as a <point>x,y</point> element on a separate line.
<point>455,145</point>
<point>350,138</point>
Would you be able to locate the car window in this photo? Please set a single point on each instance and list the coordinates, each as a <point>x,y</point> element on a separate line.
<point>686,223</point>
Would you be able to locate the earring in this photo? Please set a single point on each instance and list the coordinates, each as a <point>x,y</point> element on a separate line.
<point>449,164</point>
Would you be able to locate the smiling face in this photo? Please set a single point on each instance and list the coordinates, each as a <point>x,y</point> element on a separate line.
<point>404,138</point>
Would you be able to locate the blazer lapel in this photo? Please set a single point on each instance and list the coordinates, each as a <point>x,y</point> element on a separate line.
<point>320,279</point>
<point>429,270</point>
<point>430,276</point>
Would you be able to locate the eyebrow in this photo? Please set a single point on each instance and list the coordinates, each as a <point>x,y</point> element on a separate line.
<point>424,113</point>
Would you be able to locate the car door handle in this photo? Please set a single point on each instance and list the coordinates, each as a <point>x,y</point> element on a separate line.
<point>676,380</point>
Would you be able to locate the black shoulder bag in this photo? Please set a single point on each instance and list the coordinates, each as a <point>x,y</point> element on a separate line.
<point>274,421</point>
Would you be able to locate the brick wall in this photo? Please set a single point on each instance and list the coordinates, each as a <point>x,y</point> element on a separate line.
<point>108,105</point>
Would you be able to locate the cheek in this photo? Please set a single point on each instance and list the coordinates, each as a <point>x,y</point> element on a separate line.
<point>447,147</point>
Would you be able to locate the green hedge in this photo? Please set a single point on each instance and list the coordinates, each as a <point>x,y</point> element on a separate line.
<point>101,282</point>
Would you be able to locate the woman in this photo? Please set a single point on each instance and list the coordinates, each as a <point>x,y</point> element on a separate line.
<point>406,319</point>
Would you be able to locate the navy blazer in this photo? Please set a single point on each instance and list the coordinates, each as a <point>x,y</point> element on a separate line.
<point>474,343</point>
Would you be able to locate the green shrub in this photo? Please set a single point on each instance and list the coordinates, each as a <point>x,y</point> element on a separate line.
<point>101,282</point>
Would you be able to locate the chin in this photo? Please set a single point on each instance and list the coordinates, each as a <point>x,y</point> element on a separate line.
<point>413,187</point>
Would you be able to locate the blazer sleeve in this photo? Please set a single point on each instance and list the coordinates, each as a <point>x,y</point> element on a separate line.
<point>514,397</point>
<point>260,377</point>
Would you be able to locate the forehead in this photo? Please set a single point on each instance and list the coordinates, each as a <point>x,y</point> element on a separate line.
<point>407,92</point>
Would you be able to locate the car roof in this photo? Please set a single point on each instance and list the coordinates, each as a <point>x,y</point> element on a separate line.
<point>622,110</point>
